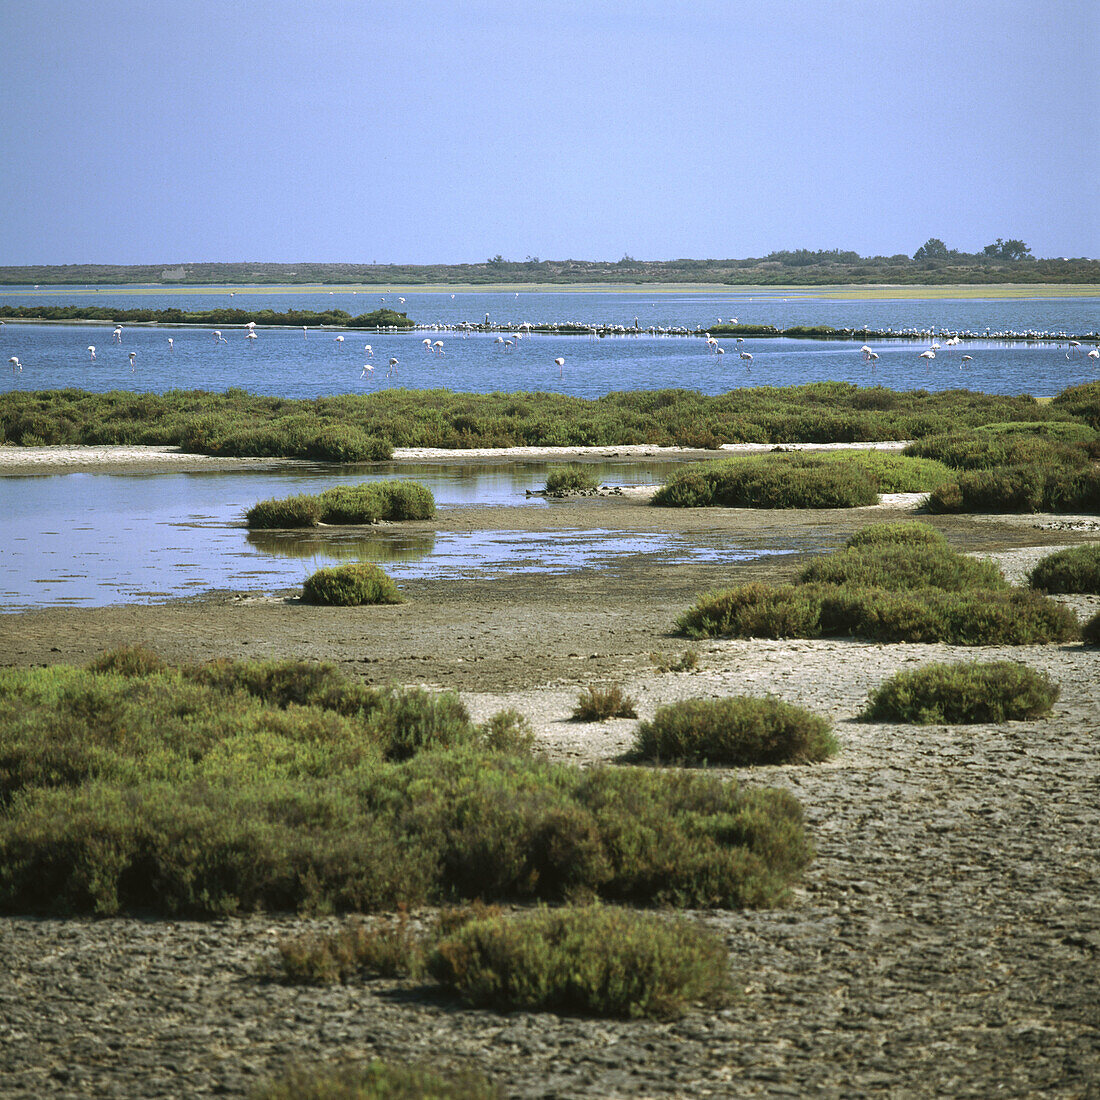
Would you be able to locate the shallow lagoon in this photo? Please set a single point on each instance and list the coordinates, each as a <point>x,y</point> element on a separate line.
<point>89,540</point>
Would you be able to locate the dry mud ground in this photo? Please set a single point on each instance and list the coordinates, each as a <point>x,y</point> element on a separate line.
<point>945,941</point>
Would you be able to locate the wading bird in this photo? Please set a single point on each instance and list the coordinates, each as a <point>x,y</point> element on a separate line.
<point>966,358</point>
<point>367,369</point>
<point>219,338</point>
<point>250,326</point>
<point>15,364</point>
<point>133,356</point>
<point>171,345</point>
<point>438,345</point>
<point>745,355</point>
<point>392,367</point>
<point>369,350</point>
<point>118,335</point>
<point>91,351</point>
<point>427,344</point>
<point>305,332</point>
<point>561,365</point>
<point>928,354</point>
<point>250,335</point>
<point>339,339</point>
<point>1094,353</point>
<point>872,357</point>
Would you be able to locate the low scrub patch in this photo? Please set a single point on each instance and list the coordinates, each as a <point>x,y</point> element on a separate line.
<point>896,534</point>
<point>770,481</point>
<point>590,960</point>
<point>687,661</point>
<point>570,479</point>
<point>972,617</point>
<point>1074,570</point>
<point>1035,487</point>
<point>996,691</point>
<point>351,585</point>
<point>1090,632</point>
<point>377,1080</point>
<point>594,704</point>
<point>738,731</point>
<point>367,502</point>
<point>899,566</point>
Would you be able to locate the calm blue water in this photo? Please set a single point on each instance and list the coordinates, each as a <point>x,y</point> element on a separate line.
<point>89,540</point>
<point>287,363</point>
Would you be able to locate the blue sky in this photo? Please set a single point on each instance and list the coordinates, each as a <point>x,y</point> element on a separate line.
<point>421,131</point>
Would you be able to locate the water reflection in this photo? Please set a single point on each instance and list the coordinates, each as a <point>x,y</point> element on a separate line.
<point>379,548</point>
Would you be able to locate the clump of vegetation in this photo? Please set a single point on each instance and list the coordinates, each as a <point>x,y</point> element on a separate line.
<point>973,617</point>
<point>589,960</point>
<point>222,788</point>
<point>1024,488</point>
<point>240,423</point>
<point>128,660</point>
<point>507,731</point>
<point>687,661</point>
<point>367,502</point>
<point>595,704</point>
<point>1074,570</point>
<point>377,1080</point>
<point>772,481</point>
<point>351,585</point>
<point>1090,632</point>
<point>574,478</point>
<point>899,566</point>
<point>996,691</point>
<point>739,731</point>
<point>896,534</point>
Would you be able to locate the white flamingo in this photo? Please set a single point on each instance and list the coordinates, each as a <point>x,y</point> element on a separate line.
<point>369,350</point>
<point>747,356</point>
<point>438,345</point>
<point>561,365</point>
<point>91,350</point>
<point>967,358</point>
<point>720,351</point>
<point>367,369</point>
<point>393,367</point>
<point>1094,353</point>
<point>339,339</point>
<point>133,356</point>
<point>499,340</point>
<point>250,326</point>
<point>251,335</point>
<point>928,354</point>
<point>305,332</point>
<point>872,357</point>
<point>15,364</point>
<point>118,334</point>
<point>427,344</point>
<point>171,345</point>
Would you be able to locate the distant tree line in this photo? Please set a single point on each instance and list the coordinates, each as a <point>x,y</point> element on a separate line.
<point>339,318</point>
<point>1003,261</point>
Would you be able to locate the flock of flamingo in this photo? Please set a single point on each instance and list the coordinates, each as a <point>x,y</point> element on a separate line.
<point>510,342</point>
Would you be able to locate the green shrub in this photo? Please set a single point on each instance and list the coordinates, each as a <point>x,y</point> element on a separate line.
<point>1056,431</point>
<point>997,691</point>
<point>128,660</point>
<point>341,443</point>
<point>389,950</point>
<point>570,479</point>
<point>350,585</point>
<point>1090,632</point>
<point>590,960</point>
<point>507,731</point>
<point>376,1081</point>
<point>1029,488</point>
<point>1082,402</point>
<point>738,731</point>
<point>594,704</point>
<point>1074,570</point>
<point>687,661</point>
<point>296,511</point>
<point>973,617</point>
<point>771,481</point>
<point>896,534</point>
<point>898,566</point>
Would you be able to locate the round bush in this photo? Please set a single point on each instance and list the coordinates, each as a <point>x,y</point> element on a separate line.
<point>1074,570</point>
<point>297,511</point>
<point>590,960</point>
<point>995,691</point>
<point>1090,632</point>
<point>738,731</point>
<point>897,534</point>
<point>570,479</point>
<point>350,586</point>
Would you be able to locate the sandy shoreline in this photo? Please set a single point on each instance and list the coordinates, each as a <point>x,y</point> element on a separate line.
<point>61,457</point>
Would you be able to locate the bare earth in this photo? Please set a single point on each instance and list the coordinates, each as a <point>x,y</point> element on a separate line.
<point>945,942</point>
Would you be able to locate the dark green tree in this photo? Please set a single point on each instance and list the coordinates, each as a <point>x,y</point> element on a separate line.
<point>932,249</point>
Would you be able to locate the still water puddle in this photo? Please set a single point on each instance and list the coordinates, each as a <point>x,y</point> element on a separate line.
<point>98,539</point>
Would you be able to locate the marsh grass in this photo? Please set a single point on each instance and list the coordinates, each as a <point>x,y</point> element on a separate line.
<point>231,787</point>
<point>738,731</point>
<point>1090,632</point>
<point>686,661</point>
<point>353,585</point>
<point>561,480</point>
<point>897,566</point>
<point>996,691</point>
<point>595,704</point>
<point>238,423</point>
<point>377,1080</point>
<point>367,502</point>
<point>1076,569</point>
<point>896,534</point>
